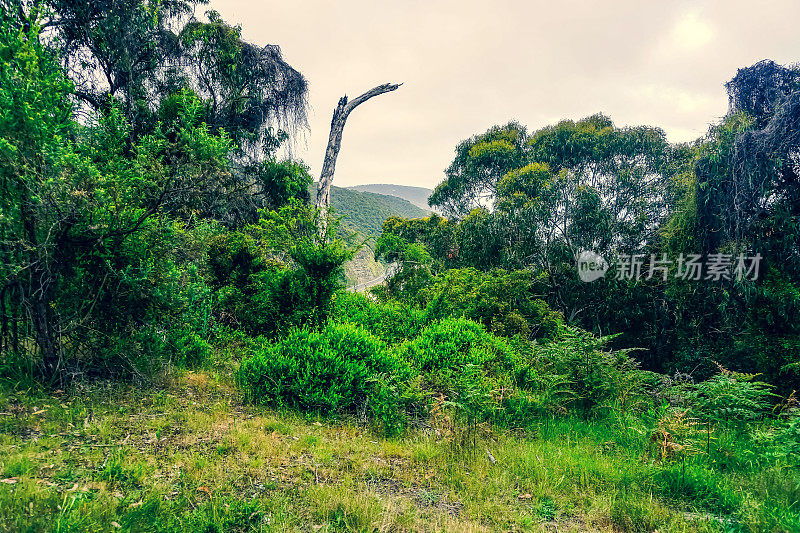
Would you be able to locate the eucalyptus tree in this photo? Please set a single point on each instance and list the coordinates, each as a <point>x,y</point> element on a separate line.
<point>480,162</point>
<point>611,184</point>
<point>125,124</point>
<point>136,55</point>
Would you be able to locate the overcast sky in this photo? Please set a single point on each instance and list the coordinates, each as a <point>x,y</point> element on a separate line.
<point>467,65</point>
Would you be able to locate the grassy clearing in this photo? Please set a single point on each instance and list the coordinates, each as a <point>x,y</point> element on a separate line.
<point>190,456</point>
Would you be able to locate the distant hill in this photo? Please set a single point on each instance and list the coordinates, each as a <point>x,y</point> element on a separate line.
<point>364,213</point>
<point>416,195</point>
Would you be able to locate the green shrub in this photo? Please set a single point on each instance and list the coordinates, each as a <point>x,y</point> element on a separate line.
<point>729,398</point>
<point>453,343</point>
<point>337,369</point>
<point>475,370</point>
<point>507,303</point>
<point>279,273</point>
<point>258,295</point>
<point>392,321</point>
<point>191,348</point>
<point>787,441</point>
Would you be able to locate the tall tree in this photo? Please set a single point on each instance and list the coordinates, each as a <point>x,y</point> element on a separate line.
<point>137,55</point>
<point>96,207</point>
<point>480,162</point>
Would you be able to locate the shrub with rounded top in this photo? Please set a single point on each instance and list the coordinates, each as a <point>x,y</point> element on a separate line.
<point>394,322</point>
<point>328,370</point>
<point>454,343</point>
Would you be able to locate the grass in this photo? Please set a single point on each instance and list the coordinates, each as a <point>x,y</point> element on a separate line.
<point>190,456</point>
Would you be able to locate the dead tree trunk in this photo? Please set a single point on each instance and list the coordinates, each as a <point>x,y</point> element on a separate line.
<point>340,114</point>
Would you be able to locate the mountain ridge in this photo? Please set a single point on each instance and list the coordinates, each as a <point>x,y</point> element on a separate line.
<point>417,196</point>
<point>365,211</point>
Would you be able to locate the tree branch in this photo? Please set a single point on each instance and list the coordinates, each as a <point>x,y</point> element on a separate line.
<point>340,114</point>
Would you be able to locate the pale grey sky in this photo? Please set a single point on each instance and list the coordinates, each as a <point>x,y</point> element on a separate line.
<point>467,65</point>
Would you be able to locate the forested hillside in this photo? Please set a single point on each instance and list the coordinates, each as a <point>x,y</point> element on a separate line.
<point>600,333</point>
<point>362,215</point>
<point>416,195</point>
<point>365,212</point>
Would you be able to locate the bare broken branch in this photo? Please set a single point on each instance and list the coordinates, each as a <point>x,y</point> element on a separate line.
<point>340,114</point>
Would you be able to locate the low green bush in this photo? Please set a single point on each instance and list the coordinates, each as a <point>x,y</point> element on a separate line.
<point>340,368</point>
<point>516,380</point>
<point>146,352</point>
<point>191,348</point>
<point>453,343</point>
<point>598,378</point>
<point>392,321</point>
<point>729,398</point>
<point>476,371</point>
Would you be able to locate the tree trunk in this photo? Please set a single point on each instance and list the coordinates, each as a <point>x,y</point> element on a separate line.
<point>46,338</point>
<point>340,114</point>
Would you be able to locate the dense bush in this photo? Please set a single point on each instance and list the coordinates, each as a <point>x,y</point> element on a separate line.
<point>453,343</point>
<point>392,321</point>
<point>111,199</point>
<point>343,368</point>
<point>530,203</point>
<point>507,303</point>
<point>481,376</point>
<point>727,398</point>
<point>279,273</point>
<point>339,368</point>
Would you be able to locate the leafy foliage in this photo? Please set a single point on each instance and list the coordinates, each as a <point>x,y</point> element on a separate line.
<point>730,398</point>
<point>507,303</point>
<point>337,369</point>
<point>391,321</point>
<point>598,378</point>
<point>533,202</point>
<point>84,209</point>
<point>453,343</point>
<point>479,164</point>
<point>105,222</point>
